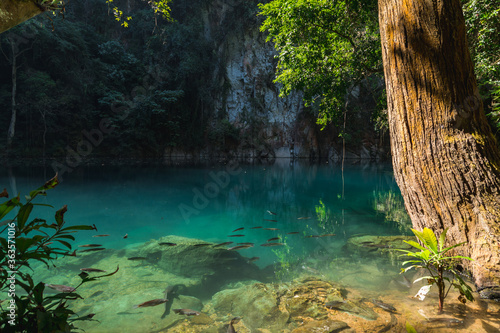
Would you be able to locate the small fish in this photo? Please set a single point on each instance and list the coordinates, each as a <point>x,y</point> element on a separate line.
<point>255,227</point>
<point>137,258</point>
<point>247,243</point>
<point>201,244</point>
<point>293,233</point>
<point>445,320</point>
<point>253,259</point>
<point>303,218</point>
<point>327,235</point>
<point>60,287</point>
<point>167,244</point>
<point>385,306</point>
<point>94,249</point>
<point>334,304</point>
<point>4,194</point>
<point>97,293</point>
<point>236,236</point>
<point>239,247</point>
<point>238,229</point>
<point>222,244</point>
<point>90,245</point>
<point>271,229</point>
<point>230,328</point>
<point>187,312</point>
<point>271,220</point>
<point>92,270</point>
<point>153,302</point>
<point>378,246</point>
<point>104,235</point>
<point>272,244</point>
<point>271,213</point>
<point>126,236</point>
<point>273,239</point>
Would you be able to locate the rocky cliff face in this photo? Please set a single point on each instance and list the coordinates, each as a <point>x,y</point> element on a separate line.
<point>250,119</point>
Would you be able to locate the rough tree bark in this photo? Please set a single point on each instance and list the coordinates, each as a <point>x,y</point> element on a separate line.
<point>445,158</point>
<point>14,12</point>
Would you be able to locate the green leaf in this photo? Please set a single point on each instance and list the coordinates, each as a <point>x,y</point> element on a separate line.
<point>24,213</point>
<point>65,236</point>
<point>442,239</point>
<point>7,206</point>
<point>452,247</point>
<point>68,245</point>
<point>418,234</point>
<point>425,277</point>
<point>410,328</point>
<point>78,227</point>
<point>38,292</point>
<point>415,244</point>
<point>60,215</point>
<point>23,243</point>
<point>430,239</point>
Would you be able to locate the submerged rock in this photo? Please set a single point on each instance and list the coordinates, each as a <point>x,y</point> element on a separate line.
<point>370,245</point>
<point>322,326</point>
<point>308,297</point>
<point>356,308</point>
<point>211,266</point>
<point>257,304</point>
<point>276,307</point>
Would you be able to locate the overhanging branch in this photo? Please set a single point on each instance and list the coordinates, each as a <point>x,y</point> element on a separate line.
<point>14,12</point>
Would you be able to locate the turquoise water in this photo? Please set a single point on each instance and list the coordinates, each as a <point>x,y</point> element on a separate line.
<point>209,202</point>
<point>321,206</point>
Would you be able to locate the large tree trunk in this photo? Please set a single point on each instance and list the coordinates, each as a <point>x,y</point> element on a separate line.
<point>14,12</point>
<point>445,157</point>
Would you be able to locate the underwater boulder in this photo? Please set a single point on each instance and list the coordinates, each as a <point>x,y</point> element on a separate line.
<point>371,245</point>
<point>257,304</point>
<point>190,257</point>
<point>307,297</point>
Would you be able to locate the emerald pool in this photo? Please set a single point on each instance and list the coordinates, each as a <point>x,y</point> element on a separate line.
<point>311,234</point>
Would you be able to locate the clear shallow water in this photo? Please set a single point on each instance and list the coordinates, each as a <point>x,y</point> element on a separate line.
<point>208,203</point>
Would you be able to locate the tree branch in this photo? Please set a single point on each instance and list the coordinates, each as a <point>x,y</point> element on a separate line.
<point>14,12</point>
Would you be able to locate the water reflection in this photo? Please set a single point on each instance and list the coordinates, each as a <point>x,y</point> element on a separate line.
<point>328,247</point>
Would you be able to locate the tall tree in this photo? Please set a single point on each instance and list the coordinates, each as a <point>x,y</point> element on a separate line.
<point>445,158</point>
<point>13,41</point>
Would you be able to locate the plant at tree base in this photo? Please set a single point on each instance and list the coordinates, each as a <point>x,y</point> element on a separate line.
<point>432,256</point>
<point>34,311</point>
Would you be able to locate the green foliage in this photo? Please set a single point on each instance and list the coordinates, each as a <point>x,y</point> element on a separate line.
<point>392,206</point>
<point>286,260</point>
<point>495,108</point>
<point>482,19</point>
<point>325,48</point>
<point>432,256</point>
<point>28,242</point>
<point>410,328</point>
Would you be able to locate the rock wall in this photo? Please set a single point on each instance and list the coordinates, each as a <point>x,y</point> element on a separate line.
<point>248,101</point>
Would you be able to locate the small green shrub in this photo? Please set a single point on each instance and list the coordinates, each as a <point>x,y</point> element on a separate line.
<point>432,256</point>
<point>29,309</point>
